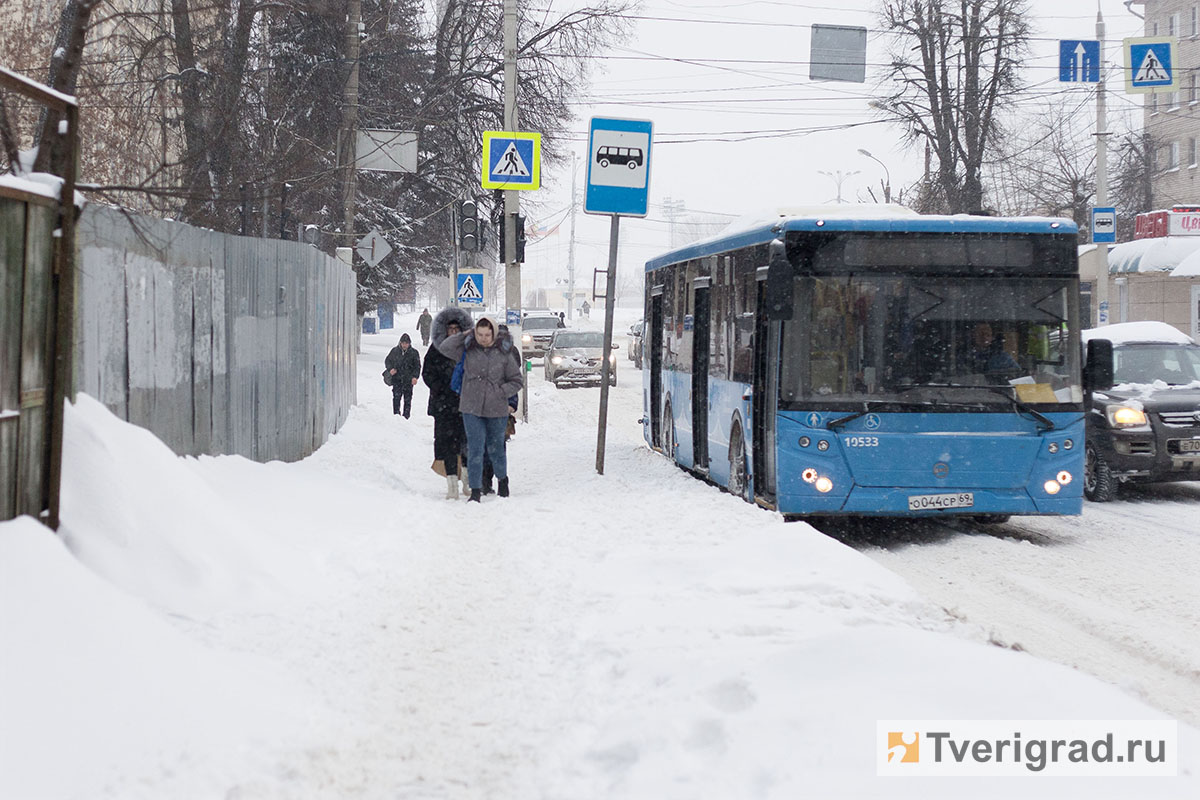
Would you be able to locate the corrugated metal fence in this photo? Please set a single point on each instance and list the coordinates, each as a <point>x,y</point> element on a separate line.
<point>217,344</point>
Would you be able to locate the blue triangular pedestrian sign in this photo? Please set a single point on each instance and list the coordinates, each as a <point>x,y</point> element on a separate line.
<point>1150,65</point>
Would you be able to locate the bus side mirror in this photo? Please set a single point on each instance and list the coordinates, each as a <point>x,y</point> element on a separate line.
<point>780,283</point>
<point>1098,371</point>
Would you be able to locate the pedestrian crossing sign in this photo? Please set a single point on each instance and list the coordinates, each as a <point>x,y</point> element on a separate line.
<point>512,160</point>
<point>468,288</point>
<point>1150,65</point>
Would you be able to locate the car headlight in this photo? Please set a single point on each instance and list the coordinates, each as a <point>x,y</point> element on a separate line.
<point>556,360</point>
<point>612,359</point>
<point>1125,416</point>
<point>526,338</point>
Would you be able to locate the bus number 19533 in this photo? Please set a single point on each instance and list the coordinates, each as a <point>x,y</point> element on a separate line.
<point>861,441</point>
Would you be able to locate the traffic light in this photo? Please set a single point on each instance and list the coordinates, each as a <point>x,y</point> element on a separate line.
<point>468,225</point>
<point>520,239</point>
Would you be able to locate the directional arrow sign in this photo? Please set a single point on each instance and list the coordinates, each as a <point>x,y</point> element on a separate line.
<point>1079,61</point>
<point>1150,65</point>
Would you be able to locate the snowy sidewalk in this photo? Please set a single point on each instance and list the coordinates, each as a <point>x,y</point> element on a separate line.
<point>336,629</point>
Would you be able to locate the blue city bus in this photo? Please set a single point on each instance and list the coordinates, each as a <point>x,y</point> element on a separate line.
<point>850,362</point>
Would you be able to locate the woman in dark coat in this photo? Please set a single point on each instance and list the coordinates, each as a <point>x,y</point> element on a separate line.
<point>449,438</point>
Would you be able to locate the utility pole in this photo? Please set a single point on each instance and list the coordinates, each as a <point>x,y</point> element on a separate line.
<point>512,198</point>
<point>571,247</point>
<point>350,121</point>
<point>1101,181</point>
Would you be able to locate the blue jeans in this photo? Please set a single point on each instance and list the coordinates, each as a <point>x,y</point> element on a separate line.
<point>485,433</point>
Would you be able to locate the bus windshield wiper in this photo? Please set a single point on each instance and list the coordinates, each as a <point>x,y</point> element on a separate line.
<point>1007,391</point>
<point>867,408</point>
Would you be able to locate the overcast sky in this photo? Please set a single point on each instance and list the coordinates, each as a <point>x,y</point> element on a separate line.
<point>753,131</point>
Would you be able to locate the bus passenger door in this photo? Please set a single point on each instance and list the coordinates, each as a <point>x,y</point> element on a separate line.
<point>766,392</point>
<point>700,346</point>
<point>652,347</point>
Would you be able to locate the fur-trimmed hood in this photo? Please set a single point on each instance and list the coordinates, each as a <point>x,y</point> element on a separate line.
<point>444,318</point>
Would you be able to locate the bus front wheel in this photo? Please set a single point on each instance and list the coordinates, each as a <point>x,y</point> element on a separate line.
<point>1099,485</point>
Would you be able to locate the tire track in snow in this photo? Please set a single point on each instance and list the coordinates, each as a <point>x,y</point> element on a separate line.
<point>1113,593</point>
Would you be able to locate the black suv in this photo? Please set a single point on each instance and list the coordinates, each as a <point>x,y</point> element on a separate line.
<point>1146,428</point>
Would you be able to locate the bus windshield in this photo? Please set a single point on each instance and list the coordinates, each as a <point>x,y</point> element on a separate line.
<point>920,339</point>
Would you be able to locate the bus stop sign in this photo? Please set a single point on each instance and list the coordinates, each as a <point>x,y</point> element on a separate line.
<point>618,170</point>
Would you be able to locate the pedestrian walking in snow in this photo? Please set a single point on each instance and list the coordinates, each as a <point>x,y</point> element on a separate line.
<point>449,438</point>
<point>404,365</point>
<point>510,427</point>
<point>490,378</point>
<point>423,323</point>
<point>586,309</point>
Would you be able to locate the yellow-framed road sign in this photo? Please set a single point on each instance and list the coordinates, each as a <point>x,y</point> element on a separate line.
<point>512,160</point>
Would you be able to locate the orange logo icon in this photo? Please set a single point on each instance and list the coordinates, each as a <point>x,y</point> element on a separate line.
<point>903,747</point>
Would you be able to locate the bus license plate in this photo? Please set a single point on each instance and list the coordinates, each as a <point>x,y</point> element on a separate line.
<point>926,502</point>
<point>1189,445</point>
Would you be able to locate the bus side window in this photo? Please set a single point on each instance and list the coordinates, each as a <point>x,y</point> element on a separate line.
<point>745,288</point>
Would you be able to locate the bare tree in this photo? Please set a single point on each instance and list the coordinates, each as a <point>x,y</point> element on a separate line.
<point>954,68</point>
<point>1133,174</point>
<point>1048,168</point>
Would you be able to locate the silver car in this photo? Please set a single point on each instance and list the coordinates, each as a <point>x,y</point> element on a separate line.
<point>574,357</point>
<point>536,333</point>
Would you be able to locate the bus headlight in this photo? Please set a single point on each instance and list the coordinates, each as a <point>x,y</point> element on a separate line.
<point>1064,477</point>
<point>1125,416</point>
<point>824,485</point>
<point>1051,487</point>
<point>809,475</point>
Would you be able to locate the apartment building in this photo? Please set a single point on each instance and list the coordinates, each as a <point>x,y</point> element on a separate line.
<point>1173,118</point>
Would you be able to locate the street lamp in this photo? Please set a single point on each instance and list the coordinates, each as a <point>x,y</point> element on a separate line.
<point>887,184</point>
<point>839,179</point>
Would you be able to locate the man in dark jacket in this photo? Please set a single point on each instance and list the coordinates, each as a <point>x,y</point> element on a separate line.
<point>404,365</point>
<point>423,323</point>
<point>449,438</point>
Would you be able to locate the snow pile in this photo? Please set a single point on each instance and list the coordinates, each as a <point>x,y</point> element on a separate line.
<point>128,502</point>
<point>334,628</point>
<point>101,697</point>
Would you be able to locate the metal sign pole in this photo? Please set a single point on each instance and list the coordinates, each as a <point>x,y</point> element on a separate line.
<point>606,367</point>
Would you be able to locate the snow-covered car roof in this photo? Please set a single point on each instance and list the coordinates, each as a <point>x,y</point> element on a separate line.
<point>1143,331</point>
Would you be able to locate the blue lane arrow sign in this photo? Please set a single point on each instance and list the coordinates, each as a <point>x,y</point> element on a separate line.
<point>1079,61</point>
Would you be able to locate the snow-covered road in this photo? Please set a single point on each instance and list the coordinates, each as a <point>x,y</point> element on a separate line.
<point>1114,592</point>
